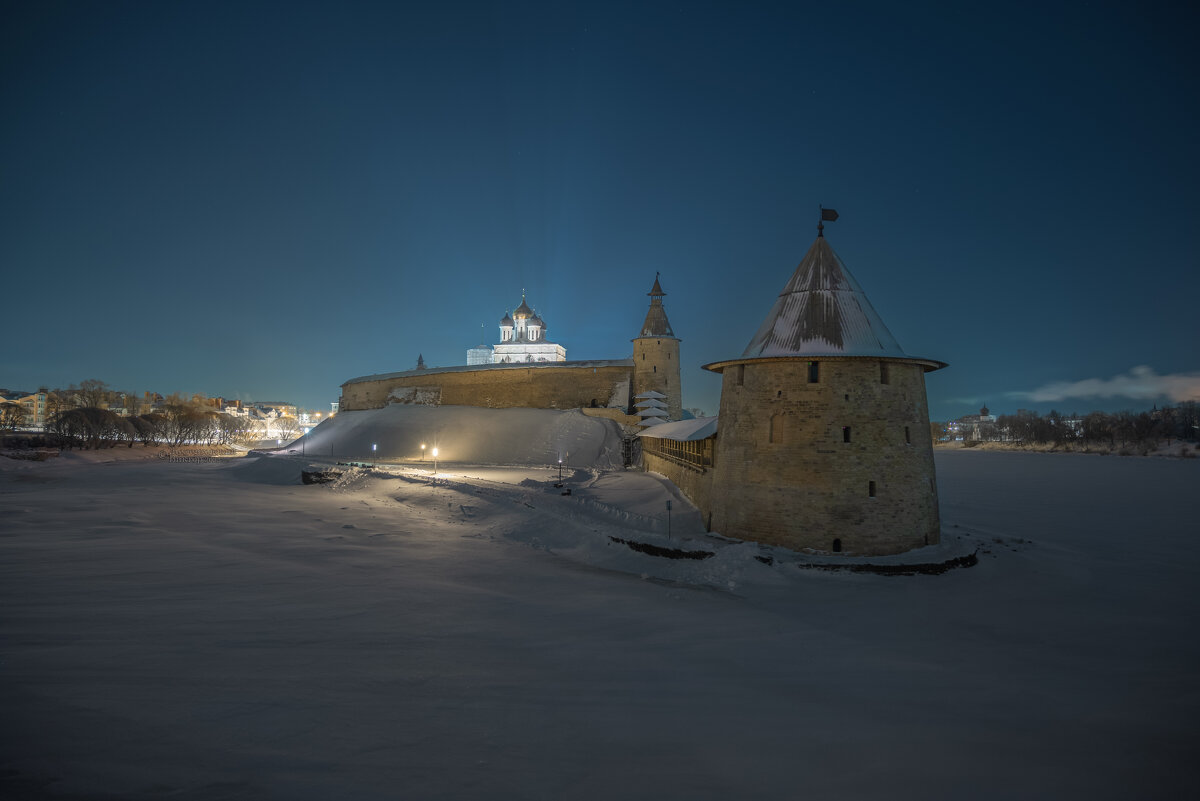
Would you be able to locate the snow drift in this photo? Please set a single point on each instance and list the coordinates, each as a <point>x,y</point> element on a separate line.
<point>467,434</point>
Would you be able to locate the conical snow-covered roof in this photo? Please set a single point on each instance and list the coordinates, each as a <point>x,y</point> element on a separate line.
<point>823,312</point>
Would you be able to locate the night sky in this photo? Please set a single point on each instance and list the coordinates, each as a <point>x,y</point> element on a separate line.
<point>263,200</point>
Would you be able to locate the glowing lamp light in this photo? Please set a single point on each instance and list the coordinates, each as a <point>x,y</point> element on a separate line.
<point>435,453</point>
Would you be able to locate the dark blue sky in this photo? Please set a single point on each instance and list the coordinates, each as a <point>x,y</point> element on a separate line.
<point>262,200</point>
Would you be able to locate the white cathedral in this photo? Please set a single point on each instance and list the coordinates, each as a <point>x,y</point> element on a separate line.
<point>522,339</point>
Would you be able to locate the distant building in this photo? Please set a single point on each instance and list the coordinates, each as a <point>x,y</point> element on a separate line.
<point>33,404</point>
<point>978,427</point>
<point>272,409</point>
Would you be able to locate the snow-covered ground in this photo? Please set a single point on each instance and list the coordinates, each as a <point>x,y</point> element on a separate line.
<point>468,435</point>
<point>220,631</point>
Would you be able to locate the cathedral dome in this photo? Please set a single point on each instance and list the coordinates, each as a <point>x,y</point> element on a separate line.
<point>523,310</point>
<point>506,319</point>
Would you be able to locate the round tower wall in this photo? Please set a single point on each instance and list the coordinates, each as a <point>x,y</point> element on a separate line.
<point>843,463</point>
<point>656,368</point>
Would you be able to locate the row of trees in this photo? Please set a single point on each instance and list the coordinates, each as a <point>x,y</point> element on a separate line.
<point>92,415</point>
<point>1168,424</point>
<point>177,424</point>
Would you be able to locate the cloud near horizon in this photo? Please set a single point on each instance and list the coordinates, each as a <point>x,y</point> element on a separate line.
<point>1141,382</point>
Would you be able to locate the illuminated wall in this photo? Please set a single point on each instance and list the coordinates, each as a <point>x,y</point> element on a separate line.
<point>550,385</point>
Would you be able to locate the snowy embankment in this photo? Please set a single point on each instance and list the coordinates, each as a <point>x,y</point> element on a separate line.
<point>219,630</point>
<point>467,435</point>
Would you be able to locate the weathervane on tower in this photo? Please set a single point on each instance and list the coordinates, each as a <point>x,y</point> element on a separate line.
<point>826,214</point>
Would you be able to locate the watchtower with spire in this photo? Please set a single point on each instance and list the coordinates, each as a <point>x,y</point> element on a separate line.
<point>824,426</point>
<point>656,356</point>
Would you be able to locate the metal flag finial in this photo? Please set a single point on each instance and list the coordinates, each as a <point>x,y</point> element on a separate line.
<point>829,215</point>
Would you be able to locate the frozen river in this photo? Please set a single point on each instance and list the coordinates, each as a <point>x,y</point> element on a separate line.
<point>218,631</point>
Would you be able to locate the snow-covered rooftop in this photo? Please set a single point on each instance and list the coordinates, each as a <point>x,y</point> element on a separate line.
<point>504,366</point>
<point>822,311</point>
<point>684,430</point>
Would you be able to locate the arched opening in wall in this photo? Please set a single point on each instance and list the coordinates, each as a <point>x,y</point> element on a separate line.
<point>870,489</point>
<point>845,433</point>
<point>907,436</point>
<point>739,377</point>
<point>775,429</point>
<point>883,372</point>
<point>837,546</point>
<point>814,372</point>
<point>656,368</point>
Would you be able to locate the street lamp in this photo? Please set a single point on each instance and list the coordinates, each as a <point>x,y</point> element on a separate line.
<point>422,451</point>
<point>373,449</point>
<point>435,462</point>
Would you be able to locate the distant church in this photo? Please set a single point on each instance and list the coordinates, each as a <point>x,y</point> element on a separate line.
<point>522,340</point>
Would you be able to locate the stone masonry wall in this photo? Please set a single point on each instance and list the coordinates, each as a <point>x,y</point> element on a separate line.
<point>845,463</point>
<point>496,387</point>
<point>695,483</point>
<point>656,367</point>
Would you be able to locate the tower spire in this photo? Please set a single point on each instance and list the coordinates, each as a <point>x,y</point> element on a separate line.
<point>656,324</point>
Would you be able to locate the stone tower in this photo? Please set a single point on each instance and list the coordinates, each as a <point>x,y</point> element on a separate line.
<point>656,356</point>
<point>824,436</point>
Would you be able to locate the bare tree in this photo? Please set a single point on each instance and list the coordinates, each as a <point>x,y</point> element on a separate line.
<point>56,403</point>
<point>93,393</point>
<point>287,428</point>
<point>12,415</point>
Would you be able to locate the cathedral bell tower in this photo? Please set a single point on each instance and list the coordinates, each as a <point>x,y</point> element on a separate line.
<point>656,356</point>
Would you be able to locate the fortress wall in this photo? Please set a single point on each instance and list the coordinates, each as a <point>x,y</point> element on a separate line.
<point>617,414</point>
<point>695,483</point>
<point>785,475</point>
<point>540,387</point>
